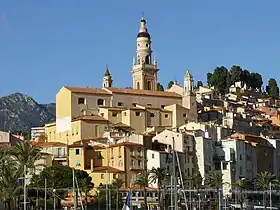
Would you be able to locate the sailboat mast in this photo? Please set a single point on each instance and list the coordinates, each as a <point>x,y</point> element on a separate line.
<point>74,190</point>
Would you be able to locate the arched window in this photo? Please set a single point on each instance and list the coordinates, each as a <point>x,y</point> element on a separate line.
<point>138,85</point>
<point>147,59</point>
<point>149,85</point>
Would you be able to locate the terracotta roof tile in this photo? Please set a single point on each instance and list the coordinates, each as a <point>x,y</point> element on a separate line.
<point>144,92</point>
<point>104,169</point>
<point>126,144</point>
<point>97,91</point>
<point>90,118</point>
<point>48,144</point>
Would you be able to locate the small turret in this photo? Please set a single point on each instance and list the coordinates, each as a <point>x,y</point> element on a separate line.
<point>107,79</point>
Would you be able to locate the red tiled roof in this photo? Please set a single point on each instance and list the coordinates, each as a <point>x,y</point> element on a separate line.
<point>90,118</point>
<point>97,91</point>
<point>104,169</point>
<point>144,92</point>
<point>126,144</point>
<point>48,144</point>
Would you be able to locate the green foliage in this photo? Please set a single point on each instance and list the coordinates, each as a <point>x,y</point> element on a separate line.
<point>160,87</point>
<point>209,79</point>
<point>219,79</point>
<point>264,179</point>
<point>169,85</point>
<point>222,79</point>
<point>214,179</point>
<point>272,88</point>
<point>199,84</point>
<point>195,180</point>
<point>59,176</point>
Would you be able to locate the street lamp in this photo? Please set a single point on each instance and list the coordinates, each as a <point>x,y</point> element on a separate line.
<point>54,190</point>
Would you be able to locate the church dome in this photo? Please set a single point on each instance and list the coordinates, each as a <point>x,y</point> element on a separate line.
<point>143,34</point>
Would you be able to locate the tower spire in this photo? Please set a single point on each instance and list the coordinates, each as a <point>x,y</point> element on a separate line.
<point>144,69</point>
<point>107,79</point>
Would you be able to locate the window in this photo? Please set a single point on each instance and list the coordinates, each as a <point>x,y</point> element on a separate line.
<point>138,84</point>
<point>152,115</point>
<point>77,152</point>
<point>149,85</point>
<point>153,155</point>
<point>120,104</point>
<point>120,151</point>
<point>114,176</point>
<point>81,101</point>
<point>137,113</point>
<point>100,102</point>
<point>102,176</point>
<point>139,163</point>
<point>184,115</point>
<point>166,115</point>
<point>114,114</point>
<point>124,114</point>
<point>224,166</point>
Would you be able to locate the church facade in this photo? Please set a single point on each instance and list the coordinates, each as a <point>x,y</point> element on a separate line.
<point>74,102</point>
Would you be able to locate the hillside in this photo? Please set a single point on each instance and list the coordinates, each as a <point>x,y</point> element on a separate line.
<point>19,112</point>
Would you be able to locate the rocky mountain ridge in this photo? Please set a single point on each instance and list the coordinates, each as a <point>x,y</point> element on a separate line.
<point>19,112</point>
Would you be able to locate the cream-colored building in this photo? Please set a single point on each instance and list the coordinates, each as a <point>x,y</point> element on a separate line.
<point>89,112</point>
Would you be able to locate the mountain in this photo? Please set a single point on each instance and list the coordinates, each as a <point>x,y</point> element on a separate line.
<point>19,112</point>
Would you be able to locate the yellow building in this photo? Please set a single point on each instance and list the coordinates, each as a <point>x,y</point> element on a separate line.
<point>105,162</point>
<point>74,102</point>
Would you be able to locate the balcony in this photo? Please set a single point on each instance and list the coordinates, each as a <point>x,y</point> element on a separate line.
<point>136,167</point>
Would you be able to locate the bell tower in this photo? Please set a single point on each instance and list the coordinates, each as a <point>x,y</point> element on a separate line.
<point>189,96</point>
<point>107,79</point>
<point>144,67</point>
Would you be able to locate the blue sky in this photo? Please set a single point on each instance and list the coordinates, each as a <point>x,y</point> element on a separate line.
<point>47,44</point>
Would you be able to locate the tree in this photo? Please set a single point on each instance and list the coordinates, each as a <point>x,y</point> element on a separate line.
<point>241,185</point>
<point>9,186</point>
<point>84,182</point>
<point>235,74</point>
<point>209,80</point>
<point>117,184</point>
<point>245,77</point>
<point>255,80</point>
<point>23,153</point>
<point>160,87</point>
<point>272,88</point>
<point>169,85</point>
<point>142,180</point>
<point>219,79</point>
<point>199,83</point>
<point>158,175</point>
<point>264,181</point>
<point>195,180</point>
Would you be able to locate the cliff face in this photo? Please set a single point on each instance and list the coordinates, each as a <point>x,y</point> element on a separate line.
<point>19,112</point>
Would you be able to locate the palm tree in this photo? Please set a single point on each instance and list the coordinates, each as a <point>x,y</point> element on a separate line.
<point>142,180</point>
<point>195,180</point>
<point>117,183</point>
<point>241,185</point>
<point>264,181</point>
<point>23,153</point>
<point>215,180</point>
<point>158,175</point>
<point>9,187</point>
